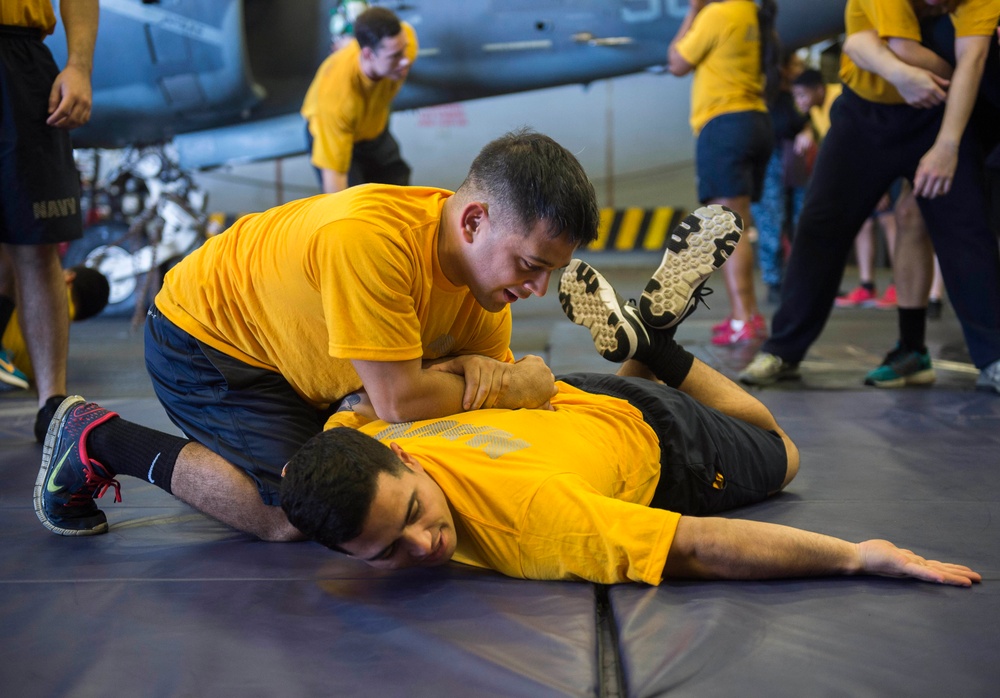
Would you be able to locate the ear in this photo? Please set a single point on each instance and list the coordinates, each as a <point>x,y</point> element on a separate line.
<point>475,217</point>
<point>408,460</point>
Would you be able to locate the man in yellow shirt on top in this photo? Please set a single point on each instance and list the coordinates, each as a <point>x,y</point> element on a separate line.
<point>347,105</point>
<point>617,483</point>
<point>257,335</point>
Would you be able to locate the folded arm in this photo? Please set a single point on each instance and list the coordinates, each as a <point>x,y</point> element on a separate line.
<point>918,84</point>
<point>403,391</point>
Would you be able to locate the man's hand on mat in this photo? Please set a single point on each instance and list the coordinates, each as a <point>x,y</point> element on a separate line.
<point>880,557</point>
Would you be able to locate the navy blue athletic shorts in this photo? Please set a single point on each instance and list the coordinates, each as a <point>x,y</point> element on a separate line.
<point>39,182</point>
<point>731,155</point>
<point>709,462</point>
<point>248,415</point>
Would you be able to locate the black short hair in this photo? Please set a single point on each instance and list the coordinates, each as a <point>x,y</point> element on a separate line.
<point>90,291</point>
<point>330,484</point>
<point>528,178</point>
<point>373,25</point>
<point>810,78</point>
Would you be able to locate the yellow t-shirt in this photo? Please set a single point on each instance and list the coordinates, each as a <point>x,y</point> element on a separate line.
<point>540,494</point>
<point>723,44</point>
<point>344,106</point>
<point>820,115</point>
<point>36,14</point>
<point>896,19</point>
<point>305,287</point>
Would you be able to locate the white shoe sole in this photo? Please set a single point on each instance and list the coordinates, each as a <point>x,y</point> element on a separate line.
<point>589,300</point>
<point>700,244</point>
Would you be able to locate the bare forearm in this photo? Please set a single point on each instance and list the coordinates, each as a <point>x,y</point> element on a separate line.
<point>964,88</point>
<point>429,395</point>
<point>333,181</point>
<point>80,18</point>
<point>676,63</point>
<point>716,548</point>
<point>918,55</point>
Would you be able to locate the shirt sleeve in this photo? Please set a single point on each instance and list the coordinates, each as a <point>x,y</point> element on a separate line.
<point>892,18</point>
<point>368,302</point>
<point>701,37</point>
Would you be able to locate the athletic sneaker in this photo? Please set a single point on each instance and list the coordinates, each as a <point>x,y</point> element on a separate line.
<point>11,377</point>
<point>860,297</point>
<point>766,369</point>
<point>700,244</point>
<point>989,378</point>
<point>589,300</point>
<point>737,332</point>
<point>759,323</point>
<point>902,367</point>
<point>69,480</point>
<point>888,300</point>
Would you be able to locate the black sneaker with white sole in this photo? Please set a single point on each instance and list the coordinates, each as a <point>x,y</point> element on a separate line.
<point>589,300</point>
<point>696,247</point>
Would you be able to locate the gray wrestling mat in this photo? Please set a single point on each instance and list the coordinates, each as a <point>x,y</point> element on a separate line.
<point>170,603</point>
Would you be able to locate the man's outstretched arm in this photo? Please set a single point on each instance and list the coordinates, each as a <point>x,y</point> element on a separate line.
<point>718,548</point>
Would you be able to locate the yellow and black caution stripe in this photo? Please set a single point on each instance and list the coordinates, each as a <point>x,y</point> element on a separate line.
<point>620,230</point>
<point>635,229</point>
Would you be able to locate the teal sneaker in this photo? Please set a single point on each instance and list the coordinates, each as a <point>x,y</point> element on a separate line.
<point>11,377</point>
<point>69,480</point>
<point>902,367</point>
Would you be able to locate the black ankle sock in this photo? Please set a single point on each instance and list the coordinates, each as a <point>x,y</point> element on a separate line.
<point>671,362</point>
<point>44,416</point>
<point>132,449</point>
<point>868,286</point>
<point>913,328</point>
<point>6,310</point>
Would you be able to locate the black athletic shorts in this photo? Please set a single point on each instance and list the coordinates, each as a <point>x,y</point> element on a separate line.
<point>39,182</point>
<point>709,462</point>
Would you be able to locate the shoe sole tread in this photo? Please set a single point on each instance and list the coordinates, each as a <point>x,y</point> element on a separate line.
<point>589,300</point>
<point>699,245</point>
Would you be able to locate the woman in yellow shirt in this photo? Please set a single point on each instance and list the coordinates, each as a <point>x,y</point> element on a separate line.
<point>728,44</point>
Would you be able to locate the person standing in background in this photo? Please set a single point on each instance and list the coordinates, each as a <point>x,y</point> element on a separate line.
<point>39,182</point>
<point>730,45</point>
<point>347,105</point>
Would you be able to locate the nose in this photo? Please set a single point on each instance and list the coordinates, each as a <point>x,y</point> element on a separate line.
<point>539,284</point>
<point>420,543</point>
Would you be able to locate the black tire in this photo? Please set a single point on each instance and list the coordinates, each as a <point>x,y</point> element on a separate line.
<point>107,248</point>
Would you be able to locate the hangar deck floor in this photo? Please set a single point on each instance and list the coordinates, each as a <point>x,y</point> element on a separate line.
<point>170,603</point>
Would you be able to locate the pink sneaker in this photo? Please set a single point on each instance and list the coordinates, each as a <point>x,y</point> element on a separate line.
<point>858,298</point>
<point>888,299</point>
<point>738,332</point>
<point>759,323</point>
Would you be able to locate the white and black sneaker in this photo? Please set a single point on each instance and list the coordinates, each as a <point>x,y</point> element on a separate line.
<point>697,246</point>
<point>589,300</point>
